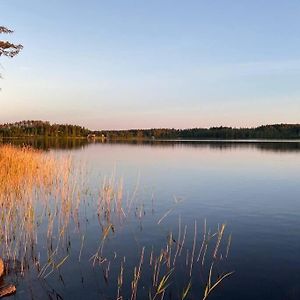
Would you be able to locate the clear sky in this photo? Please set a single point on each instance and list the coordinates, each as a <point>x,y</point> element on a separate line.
<point>152,63</point>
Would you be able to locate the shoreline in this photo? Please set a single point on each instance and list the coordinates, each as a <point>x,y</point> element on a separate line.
<point>107,140</point>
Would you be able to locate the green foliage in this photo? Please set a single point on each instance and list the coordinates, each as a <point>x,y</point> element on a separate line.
<point>45,129</point>
<point>277,131</point>
<point>7,48</point>
<point>41,128</point>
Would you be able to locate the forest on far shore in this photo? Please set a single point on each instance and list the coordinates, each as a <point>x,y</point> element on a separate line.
<point>32,128</point>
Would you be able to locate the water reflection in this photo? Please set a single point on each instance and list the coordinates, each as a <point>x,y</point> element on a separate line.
<point>49,143</point>
<point>69,143</point>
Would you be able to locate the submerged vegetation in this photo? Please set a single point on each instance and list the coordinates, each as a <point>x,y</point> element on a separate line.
<point>46,208</point>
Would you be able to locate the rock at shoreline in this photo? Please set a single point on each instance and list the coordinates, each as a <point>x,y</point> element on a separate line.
<point>1,267</point>
<point>7,290</point>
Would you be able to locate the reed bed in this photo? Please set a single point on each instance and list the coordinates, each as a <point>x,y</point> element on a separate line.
<point>29,179</point>
<point>44,199</point>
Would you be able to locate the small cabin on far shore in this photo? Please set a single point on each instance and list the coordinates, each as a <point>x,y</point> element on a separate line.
<point>91,136</point>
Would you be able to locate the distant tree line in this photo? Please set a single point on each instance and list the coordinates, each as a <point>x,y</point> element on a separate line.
<point>277,131</point>
<point>45,129</point>
<point>41,128</point>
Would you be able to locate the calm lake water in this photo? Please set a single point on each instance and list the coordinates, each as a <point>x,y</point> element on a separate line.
<point>253,187</point>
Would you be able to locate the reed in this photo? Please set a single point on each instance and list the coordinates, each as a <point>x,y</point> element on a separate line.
<point>45,190</point>
<point>29,180</point>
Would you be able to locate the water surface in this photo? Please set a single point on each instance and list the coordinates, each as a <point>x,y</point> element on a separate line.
<point>253,187</point>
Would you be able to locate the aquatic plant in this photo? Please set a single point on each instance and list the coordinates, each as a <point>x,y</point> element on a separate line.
<point>44,198</point>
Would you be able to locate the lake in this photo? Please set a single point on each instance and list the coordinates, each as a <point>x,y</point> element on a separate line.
<point>252,187</point>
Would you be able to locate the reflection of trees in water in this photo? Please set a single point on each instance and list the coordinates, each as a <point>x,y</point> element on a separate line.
<point>50,143</point>
<point>70,143</point>
<point>219,145</point>
<point>264,146</point>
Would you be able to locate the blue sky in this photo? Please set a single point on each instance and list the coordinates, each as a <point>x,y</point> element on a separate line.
<point>128,64</point>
